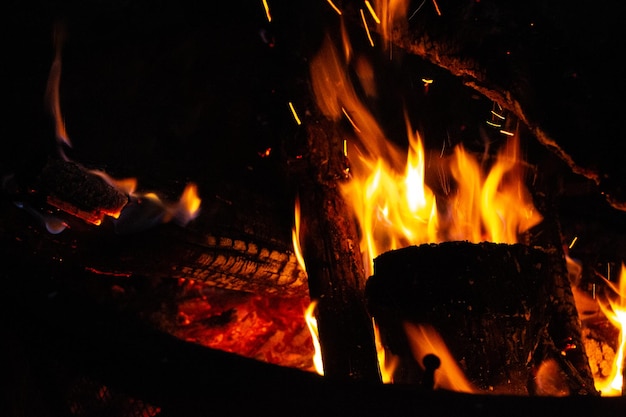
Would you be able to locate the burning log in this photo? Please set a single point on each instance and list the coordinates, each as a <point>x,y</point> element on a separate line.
<point>493,305</point>
<point>334,266</point>
<point>74,189</point>
<point>225,247</point>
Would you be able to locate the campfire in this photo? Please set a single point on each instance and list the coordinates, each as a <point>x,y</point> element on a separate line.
<point>402,222</point>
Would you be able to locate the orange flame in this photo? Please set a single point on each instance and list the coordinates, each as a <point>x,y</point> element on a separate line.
<point>425,340</point>
<point>485,200</point>
<point>309,313</point>
<point>387,362</point>
<point>52,89</point>
<point>614,308</point>
<point>393,205</point>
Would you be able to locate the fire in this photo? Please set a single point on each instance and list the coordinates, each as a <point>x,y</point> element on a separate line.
<point>486,198</point>
<point>309,313</point>
<point>183,211</point>
<point>425,340</point>
<point>311,322</point>
<point>483,199</point>
<point>387,362</point>
<point>295,235</point>
<point>614,308</point>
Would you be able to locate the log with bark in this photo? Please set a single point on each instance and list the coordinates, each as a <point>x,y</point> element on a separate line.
<point>330,248</point>
<point>494,306</point>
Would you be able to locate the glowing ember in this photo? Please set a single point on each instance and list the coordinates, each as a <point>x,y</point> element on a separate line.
<point>614,308</point>
<point>265,328</point>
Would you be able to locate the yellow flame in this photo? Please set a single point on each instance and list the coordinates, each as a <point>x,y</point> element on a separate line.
<point>614,308</point>
<point>387,362</point>
<point>485,199</point>
<point>424,340</point>
<point>311,322</point>
<point>295,235</point>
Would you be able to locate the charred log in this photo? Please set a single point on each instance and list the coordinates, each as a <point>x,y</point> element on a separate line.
<point>233,257</point>
<point>493,305</point>
<point>82,193</point>
<point>334,266</point>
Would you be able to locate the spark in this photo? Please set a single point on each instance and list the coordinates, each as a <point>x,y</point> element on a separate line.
<point>350,120</point>
<point>506,132</point>
<point>267,10</point>
<point>367,30</point>
<point>497,115</point>
<point>593,291</point>
<point>417,10</point>
<point>493,124</point>
<point>295,115</point>
<point>372,12</point>
<point>334,7</point>
<point>571,245</point>
<point>427,82</point>
<point>437,7</point>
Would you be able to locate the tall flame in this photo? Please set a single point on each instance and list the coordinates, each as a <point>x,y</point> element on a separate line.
<point>311,322</point>
<point>614,308</point>
<point>52,90</point>
<point>387,190</point>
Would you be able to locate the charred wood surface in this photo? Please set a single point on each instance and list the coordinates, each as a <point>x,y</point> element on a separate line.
<point>330,248</point>
<point>565,325</point>
<point>494,306</point>
<point>242,255</point>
